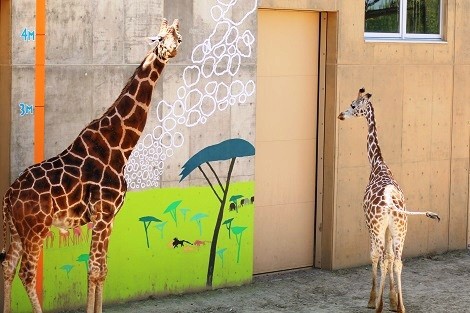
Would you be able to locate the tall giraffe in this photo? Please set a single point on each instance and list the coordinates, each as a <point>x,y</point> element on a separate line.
<point>385,212</point>
<point>84,183</point>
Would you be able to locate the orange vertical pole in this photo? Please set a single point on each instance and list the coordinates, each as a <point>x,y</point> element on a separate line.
<point>39,101</point>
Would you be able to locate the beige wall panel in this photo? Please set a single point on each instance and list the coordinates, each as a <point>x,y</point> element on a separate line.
<point>387,53</point>
<point>287,225</point>
<point>351,47</point>
<point>352,237</point>
<point>441,124</point>
<point>462,29</point>
<point>415,183</point>
<point>316,5</point>
<point>287,92</point>
<point>417,112</point>
<point>438,233</point>
<point>291,163</point>
<point>387,98</point>
<point>352,133</point>
<point>443,53</point>
<point>461,113</point>
<point>418,54</point>
<point>458,204</point>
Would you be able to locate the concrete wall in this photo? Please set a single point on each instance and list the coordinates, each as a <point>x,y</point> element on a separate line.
<point>92,49</point>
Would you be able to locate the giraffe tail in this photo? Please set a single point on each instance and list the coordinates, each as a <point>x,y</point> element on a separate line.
<point>429,214</point>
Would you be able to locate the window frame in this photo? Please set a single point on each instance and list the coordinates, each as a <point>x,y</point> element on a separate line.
<point>402,35</point>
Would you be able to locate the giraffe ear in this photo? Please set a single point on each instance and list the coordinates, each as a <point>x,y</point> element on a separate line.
<point>176,24</point>
<point>164,25</point>
<point>149,60</point>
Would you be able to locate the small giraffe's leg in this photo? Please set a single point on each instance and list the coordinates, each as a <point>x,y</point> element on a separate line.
<point>398,265</point>
<point>379,304</point>
<point>390,257</point>
<point>374,255</point>
<point>9,267</point>
<point>98,265</point>
<point>27,273</point>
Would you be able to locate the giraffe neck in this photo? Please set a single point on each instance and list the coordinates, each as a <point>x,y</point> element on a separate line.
<point>112,137</point>
<point>373,149</point>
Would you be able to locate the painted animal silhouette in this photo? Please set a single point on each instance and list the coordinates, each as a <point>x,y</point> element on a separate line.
<point>177,242</point>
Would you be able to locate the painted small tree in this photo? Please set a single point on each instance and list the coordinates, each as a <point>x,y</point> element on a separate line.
<point>228,224</point>
<point>226,150</point>
<point>184,211</point>
<point>220,253</point>
<point>85,258</point>
<point>67,268</point>
<point>147,220</point>
<point>172,210</point>
<point>160,227</point>
<point>238,231</point>
<point>197,218</point>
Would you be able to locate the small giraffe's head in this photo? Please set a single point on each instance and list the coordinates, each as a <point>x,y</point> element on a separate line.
<point>358,107</point>
<point>166,43</point>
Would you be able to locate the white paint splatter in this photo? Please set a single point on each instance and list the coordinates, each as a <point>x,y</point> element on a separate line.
<point>202,94</point>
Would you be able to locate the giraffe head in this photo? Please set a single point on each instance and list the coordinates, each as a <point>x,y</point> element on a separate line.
<point>166,43</point>
<point>358,107</point>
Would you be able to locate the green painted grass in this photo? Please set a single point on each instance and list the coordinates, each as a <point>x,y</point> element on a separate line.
<point>136,271</point>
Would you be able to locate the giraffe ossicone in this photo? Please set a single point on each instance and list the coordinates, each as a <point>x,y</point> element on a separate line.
<point>385,212</point>
<point>83,184</point>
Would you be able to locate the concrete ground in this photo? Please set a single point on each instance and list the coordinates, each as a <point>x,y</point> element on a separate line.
<point>439,283</point>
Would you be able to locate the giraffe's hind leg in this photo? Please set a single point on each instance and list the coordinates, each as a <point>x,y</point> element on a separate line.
<point>9,266</point>
<point>390,257</point>
<point>374,255</point>
<point>28,270</point>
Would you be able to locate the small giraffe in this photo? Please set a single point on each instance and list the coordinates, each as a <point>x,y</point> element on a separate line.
<point>385,212</point>
<point>84,183</point>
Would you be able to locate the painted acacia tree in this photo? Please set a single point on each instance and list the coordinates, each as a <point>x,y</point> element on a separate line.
<point>226,150</point>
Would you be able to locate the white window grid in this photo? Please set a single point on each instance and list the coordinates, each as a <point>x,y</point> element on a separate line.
<point>402,34</point>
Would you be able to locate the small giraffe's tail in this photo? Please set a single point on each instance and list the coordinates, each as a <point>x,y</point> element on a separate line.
<point>429,214</point>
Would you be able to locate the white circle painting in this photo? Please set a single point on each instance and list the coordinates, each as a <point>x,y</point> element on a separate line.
<point>203,93</point>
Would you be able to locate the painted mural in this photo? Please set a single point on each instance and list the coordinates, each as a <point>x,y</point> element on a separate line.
<point>178,239</point>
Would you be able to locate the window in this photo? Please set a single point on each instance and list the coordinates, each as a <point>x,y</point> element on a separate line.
<point>403,19</point>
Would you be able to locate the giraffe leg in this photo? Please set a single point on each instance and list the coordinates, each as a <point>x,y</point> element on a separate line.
<point>390,257</point>
<point>28,268</point>
<point>375,261</point>
<point>9,268</point>
<point>383,276</point>
<point>98,266</point>
<point>398,265</point>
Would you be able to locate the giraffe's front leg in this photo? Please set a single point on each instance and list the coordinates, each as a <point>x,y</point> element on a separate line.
<point>97,265</point>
